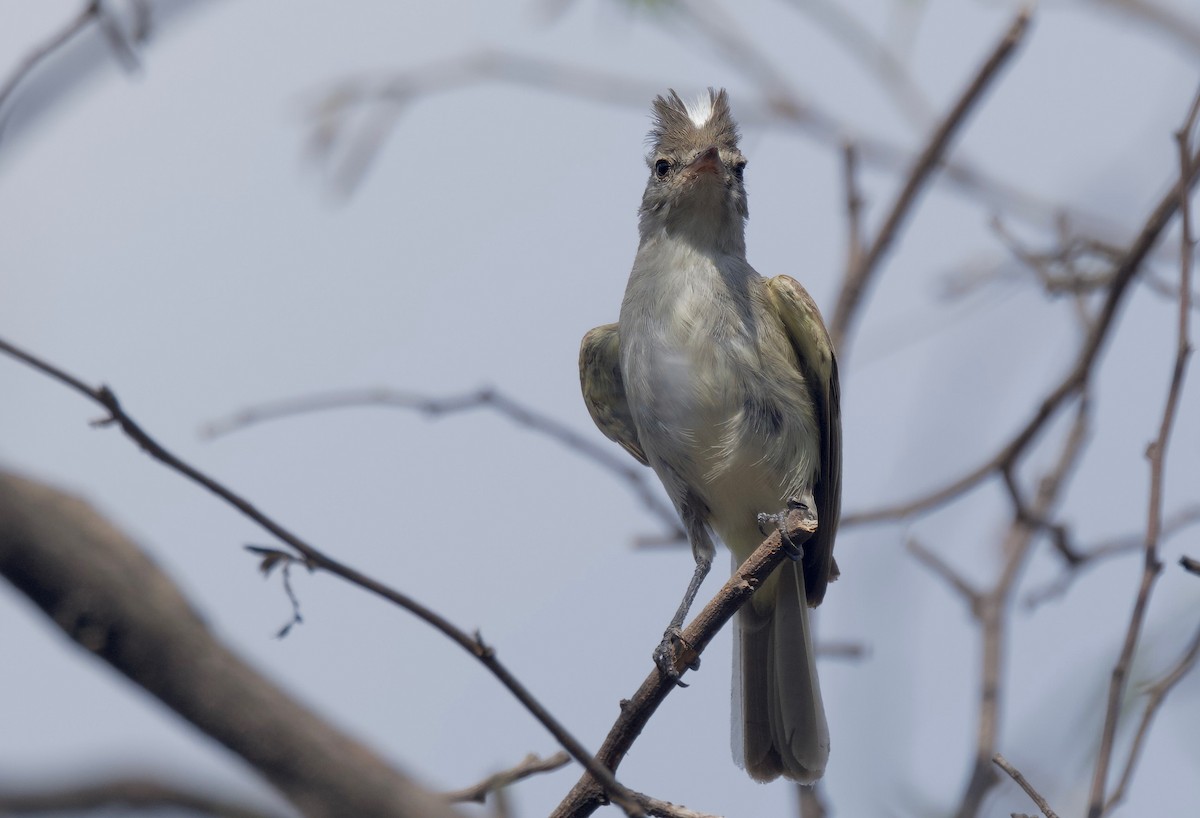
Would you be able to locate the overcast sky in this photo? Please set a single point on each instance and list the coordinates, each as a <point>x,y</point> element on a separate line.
<point>169,234</point>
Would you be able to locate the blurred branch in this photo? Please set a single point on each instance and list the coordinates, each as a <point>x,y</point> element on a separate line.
<point>1165,21</point>
<point>1082,558</point>
<point>108,596</point>
<point>94,34</point>
<point>630,472</point>
<point>854,206</point>
<point>587,796</point>
<point>1156,694</point>
<point>131,794</point>
<point>348,153</point>
<point>531,765</point>
<point>887,69</point>
<point>1072,383</point>
<point>86,16</point>
<point>1157,455</point>
<point>313,558</point>
<point>855,284</point>
<point>991,609</point>
<point>665,809</point>
<point>1015,774</point>
<point>1190,565</point>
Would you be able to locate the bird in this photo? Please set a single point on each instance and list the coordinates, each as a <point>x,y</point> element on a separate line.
<point>725,383</point>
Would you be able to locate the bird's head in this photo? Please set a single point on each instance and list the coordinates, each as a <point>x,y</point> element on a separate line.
<point>696,187</point>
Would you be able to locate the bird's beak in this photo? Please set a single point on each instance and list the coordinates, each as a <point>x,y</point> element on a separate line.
<point>707,162</point>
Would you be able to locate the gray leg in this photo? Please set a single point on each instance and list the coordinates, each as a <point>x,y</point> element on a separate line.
<point>702,550</point>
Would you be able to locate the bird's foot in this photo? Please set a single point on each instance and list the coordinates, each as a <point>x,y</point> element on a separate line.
<point>780,522</point>
<point>668,650</point>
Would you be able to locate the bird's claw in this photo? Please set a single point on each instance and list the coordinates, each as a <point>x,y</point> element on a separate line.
<point>666,652</point>
<point>780,522</point>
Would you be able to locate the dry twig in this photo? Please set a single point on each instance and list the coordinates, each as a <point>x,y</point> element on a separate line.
<point>855,284</point>
<point>313,558</point>
<point>1071,385</point>
<point>1157,455</point>
<point>107,595</point>
<point>631,473</point>
<point>1015,774</point>
<point>529,766</point>
<point>1156,694</point>
<point>125,793</point>
<point>586,796</point>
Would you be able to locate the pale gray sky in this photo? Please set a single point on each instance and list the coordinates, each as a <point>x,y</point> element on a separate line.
<point>164,234</point>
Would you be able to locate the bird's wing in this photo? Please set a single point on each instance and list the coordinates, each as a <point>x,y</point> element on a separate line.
<point>604,389</point>
<point>801,320</point>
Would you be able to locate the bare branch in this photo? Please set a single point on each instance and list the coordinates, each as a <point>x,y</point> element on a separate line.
<point>316,559</point>
<point>87,15</point>
<point>854,286</point>
<point>1072,383</point>
<point>854,206</point>
<point>531,765</point>
<point>1156,694</point>
<point>1107,549</point>
<point>631,473</point>
<point>1166,21</point>
<point>992,608</point>
<point>887,69</point>
<point>942,569</point>
<point>586,796</point>
<point>127,793</point>
<point>665,809</point>
<point>1013,773</point>
<point>1157,455</point>
<point>108,596</point>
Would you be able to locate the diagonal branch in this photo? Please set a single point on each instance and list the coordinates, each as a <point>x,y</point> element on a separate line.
<point>855,284</point>
<point>107,595</point>
<point>530,765</point>
<point>130,793</point>
<point>1157,455</point>
<point>633,474</point>
<point>1072,383</point>
<point>587,796</point>
<point>316,559</point>
<point>1015,774</point>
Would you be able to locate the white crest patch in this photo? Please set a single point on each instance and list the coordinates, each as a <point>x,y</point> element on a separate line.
<point>700,110</point>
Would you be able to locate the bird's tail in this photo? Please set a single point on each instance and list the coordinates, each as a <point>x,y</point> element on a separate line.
<point>779,723</point>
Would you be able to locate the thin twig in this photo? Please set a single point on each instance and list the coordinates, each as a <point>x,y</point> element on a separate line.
<point>854,207</point>
<point>1157,455</point>
<point>854,286</point>
<point>586,797</point>
<point>89,13</point>
<point>992,607</point>
<point>1071,384</point>
<point>1156,694</point>
<point>665,809</point>
<point>1085,558</point>
<point>633,474</point>
<point>126,794</point>
<point>940,567</point>
<point>1015,774</point>
<point>334,110</point>
<point>314,559</point>
<point>530,765</point>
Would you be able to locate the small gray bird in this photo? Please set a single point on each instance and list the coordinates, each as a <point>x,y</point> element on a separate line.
<point>725,383</point>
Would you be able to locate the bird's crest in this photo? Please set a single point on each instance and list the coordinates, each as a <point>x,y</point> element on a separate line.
<point>679,126</point>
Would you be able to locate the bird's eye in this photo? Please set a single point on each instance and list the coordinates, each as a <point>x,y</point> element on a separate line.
<point>661,168</point>
<point>739,170</point>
